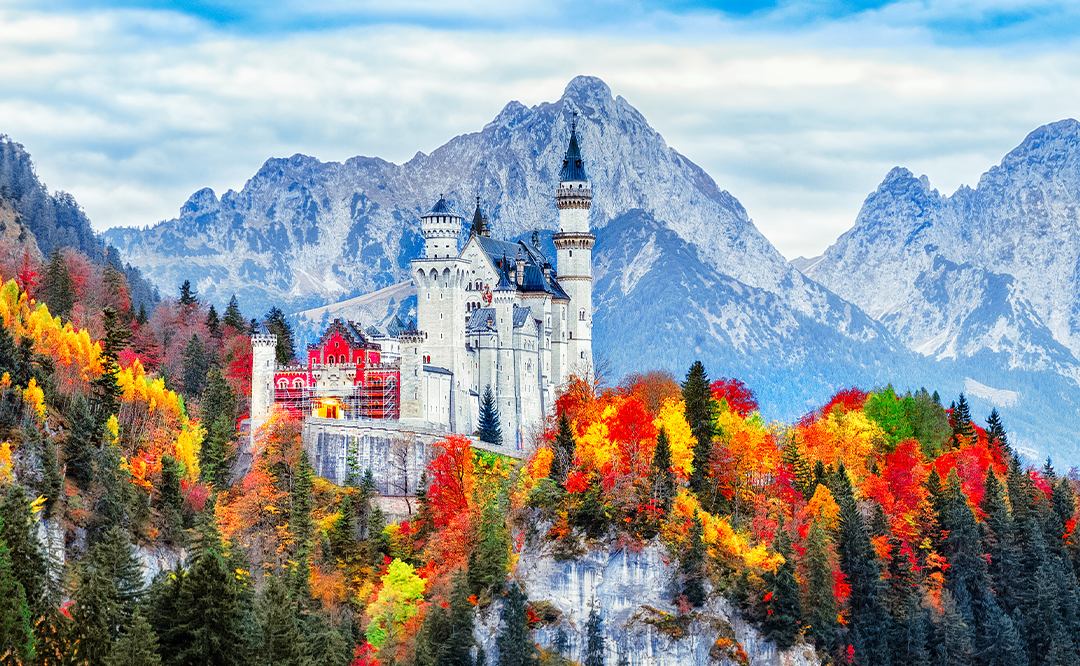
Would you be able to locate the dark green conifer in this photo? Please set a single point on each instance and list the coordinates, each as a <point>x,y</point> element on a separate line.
<point>487,560</point>
<point>233,318</point>
<point>459,642</point>
<point>663,478</point>
<point>801,471</point>
<point>16,621</point>
<point>961,421</point>
<point>282,640</point>
<point>19,530</point>
<point>194,367</point>
<point>80,444</point>
<point>277,324</point>
<point>138,646</point>
<point>302,529</point>
<point>170,499</point>
<point>59,291</point>
<point>213,322</point>
<point>783,610</point>
<point>111,506</point>
<point>565,449</point>
<point>327,646</point>
<point>594,639</point>
<point>869,627</point>
<point>952,635</point>
<point>821,603</point>
<point>699,415</point>
<point>209,619</point>
<point>489,429</point>
<point>141,318</point>
<point>692,566</point>
<point>998,543</point>
<point>109,590</point>
<point>516,647</point>
<point>996,435</point>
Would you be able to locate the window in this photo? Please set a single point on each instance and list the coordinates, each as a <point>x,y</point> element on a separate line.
<point>582,354</point>
<point>581,315</point>
<point>571,253</point>
<point>571,335</point>
<point>298,383</point>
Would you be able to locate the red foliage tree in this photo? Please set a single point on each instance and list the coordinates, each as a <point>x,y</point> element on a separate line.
<point>738,396</point>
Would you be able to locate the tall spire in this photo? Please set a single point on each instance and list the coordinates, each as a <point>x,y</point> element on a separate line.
<point>573,169</point>
<point>479,222</point>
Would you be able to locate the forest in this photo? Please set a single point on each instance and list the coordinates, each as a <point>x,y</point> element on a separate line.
<point>881,528</point>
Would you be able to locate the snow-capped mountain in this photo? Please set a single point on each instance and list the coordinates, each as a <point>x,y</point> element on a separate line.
<point>995,268</point>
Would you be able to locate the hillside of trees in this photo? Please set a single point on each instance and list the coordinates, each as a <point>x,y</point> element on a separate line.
<point>878,529</point>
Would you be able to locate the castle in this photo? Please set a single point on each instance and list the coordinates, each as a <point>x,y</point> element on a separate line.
<point>493,314</point>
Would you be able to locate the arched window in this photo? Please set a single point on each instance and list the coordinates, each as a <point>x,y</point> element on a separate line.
<point>571,335</point>
<point>298,383</point>
<point>581,315</point>
<point>283,383</point>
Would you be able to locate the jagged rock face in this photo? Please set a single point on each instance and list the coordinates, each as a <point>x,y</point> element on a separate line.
<point>992,268</point>
<point>303,232</point>
<point>628,588</point>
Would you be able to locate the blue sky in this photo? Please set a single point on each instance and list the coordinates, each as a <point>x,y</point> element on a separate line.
<point>798,107</point>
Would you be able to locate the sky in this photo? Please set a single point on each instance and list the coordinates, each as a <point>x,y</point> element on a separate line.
<point>797,107</point>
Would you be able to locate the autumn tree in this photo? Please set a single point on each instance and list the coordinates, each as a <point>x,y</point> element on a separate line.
<point>488,428</point>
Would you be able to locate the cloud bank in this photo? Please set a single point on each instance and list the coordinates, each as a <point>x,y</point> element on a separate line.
<point>798,109</point>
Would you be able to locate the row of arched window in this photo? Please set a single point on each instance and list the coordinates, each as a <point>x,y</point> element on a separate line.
<point>284,383</point>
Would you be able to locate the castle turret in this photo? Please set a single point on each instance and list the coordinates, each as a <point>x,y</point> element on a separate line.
<point>506,372</point>
<point>441,228</point>
<point>411,383</point>
<point>263,365</point>
<point>574,244</point>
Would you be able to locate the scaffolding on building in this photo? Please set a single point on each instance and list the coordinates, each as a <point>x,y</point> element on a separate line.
<point>376,397</point>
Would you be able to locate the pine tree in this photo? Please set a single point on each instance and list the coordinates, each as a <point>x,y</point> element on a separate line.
<point>217,456</point>
<point>565,449</point>
<point>487,560</point>
<point>995,434</point>
<point>16,637</point>
<point>952,636</point>
<point>111,506</point>
<point>515,644</point>
<point>188,296</point>
<point>820,609</point>
<point>80,444</point>
<point>997,542</point>
<point>594,639</point>
<point>194,367</point>
<point>282,640</point>
<point>489,429</point>
<point>663,479</point>
<point>961,421</point>
<point>109,590</point>
<point>163,608</point>
<point>169,498</point>
<point>692,565</point>
<point>302,528</point>
<point>275,322</point>
<point>869,618</point>
<point>209,619</point>
<point>459,642</point>
<point>19,530</point>
<point>137,647</point>
<point>213,323</point>
<point>801,471</point>
<point>783,610</point>
<point>58,292</point>
<point>233,318</point>
<point>141,318</point>
<point>327,646</point>
<point>699,415</point>
<point>909,640</point>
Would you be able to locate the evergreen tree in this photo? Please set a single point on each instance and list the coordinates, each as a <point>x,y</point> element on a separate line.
<point>909,640</point>
<point>169,498</point>
<point>19,530</point>
<point>487,560</point>
<point>282,640</point>
<point>209,619</point>
<point>218,398</point>
<point>141,318</point>
<point>81,443</point>
<point>217,456</point>
<point>189,298</point>
<point>327,647</point>
<point>594,639</point>
<point>213,323</point>
<point>16,637</point>
<point>995,433</point>
<point>565,449</point>
<point>821,603</point>
<point>699,415</point>
<point>137,647</point>
<point>961,421</point>
<point>801,471</point>
<point>51,483</point>
<point>663,478</point>
<point>302,528</point>
<point>59,291</point>
<point>783,610</point>
<point>194,367</point>
<point>952,636</point>
<point>109,590</point>
<point>458,645</point>
<point>116,338</point>
<point>516,647</point>
<point>111,506</point>
<point>163,609</point>
<point>489,429</point>
<point>692,565</point>
<point>275,323</point>
<point>233,318</point>
<point>869,625</point>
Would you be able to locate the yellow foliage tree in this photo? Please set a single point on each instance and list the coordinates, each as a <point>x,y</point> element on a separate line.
<point>672,418</point>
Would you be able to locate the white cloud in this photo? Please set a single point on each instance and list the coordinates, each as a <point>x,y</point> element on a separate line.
<point>133,111</point>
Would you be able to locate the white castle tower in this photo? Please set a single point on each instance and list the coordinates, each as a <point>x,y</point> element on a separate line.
<point>440,277</point>
<point>574,244</point>
<point>263,365</point>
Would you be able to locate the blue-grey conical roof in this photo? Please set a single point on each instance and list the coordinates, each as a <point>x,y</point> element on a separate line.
<point>443,207</point>
<point>572,167</point>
